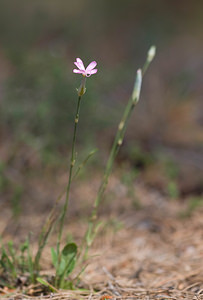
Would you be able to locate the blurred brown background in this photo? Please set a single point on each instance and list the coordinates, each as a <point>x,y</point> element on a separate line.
<point>39,41</point>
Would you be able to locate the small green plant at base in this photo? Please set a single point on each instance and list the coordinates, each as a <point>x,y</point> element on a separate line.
<point>15,262</point>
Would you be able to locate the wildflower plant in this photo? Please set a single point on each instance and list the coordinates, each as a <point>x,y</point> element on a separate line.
<point>64,261</point>
<point>65,258</point>
<point>93,224</point>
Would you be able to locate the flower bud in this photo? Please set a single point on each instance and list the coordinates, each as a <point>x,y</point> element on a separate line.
<point>151,54</point>
<point>82,89</point>
<point>137,86</point>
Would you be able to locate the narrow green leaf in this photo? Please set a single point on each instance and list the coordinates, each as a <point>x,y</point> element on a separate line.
<point>54,257</point>
<point>42,281</point>
<point>62,266</point>
<point>70,267</point>
<point>46,283</point>
<point>89,234</point>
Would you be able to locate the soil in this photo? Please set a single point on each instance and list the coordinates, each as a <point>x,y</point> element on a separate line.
<point>148,253</point>
<point>151,252</point>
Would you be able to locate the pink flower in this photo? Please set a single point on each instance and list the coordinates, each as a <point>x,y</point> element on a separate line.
<point>81,69</point>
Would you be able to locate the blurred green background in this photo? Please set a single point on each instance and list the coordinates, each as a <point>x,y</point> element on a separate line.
<point>39,41</point>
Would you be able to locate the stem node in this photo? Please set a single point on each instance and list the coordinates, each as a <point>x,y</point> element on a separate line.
<point>120,141</point>
<point>120,127</point>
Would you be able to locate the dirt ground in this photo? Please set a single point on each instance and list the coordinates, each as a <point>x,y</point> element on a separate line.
<point>148,253</point>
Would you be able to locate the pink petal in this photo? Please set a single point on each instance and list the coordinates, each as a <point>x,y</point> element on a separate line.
<point>77,65</point>
<point>79,60</point>
<point>78,71</point>
<point>80,64</point>
<point>91,66</point>
<point>93,71</point>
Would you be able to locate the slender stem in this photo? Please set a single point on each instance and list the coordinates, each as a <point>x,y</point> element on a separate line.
<point>72,163</point>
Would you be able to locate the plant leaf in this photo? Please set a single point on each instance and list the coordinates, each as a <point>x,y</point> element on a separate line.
<point>62,266</point>
<point>67,264</point>
<point>42,281</point>
<point>46,283</point>
<point>54,257</point>
<point>70,267</point>
<point>70,250</point>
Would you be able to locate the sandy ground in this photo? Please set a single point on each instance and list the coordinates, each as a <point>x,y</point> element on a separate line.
<point>146,253</point>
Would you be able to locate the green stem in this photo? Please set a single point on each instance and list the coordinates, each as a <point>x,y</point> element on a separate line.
<point>72,163</point>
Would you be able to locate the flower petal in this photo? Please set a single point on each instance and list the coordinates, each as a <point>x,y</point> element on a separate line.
<point>78,71</point>
<point>77,65</point>
<point>91,66</point>
<point>80,64</point>
<point>93,71</point>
